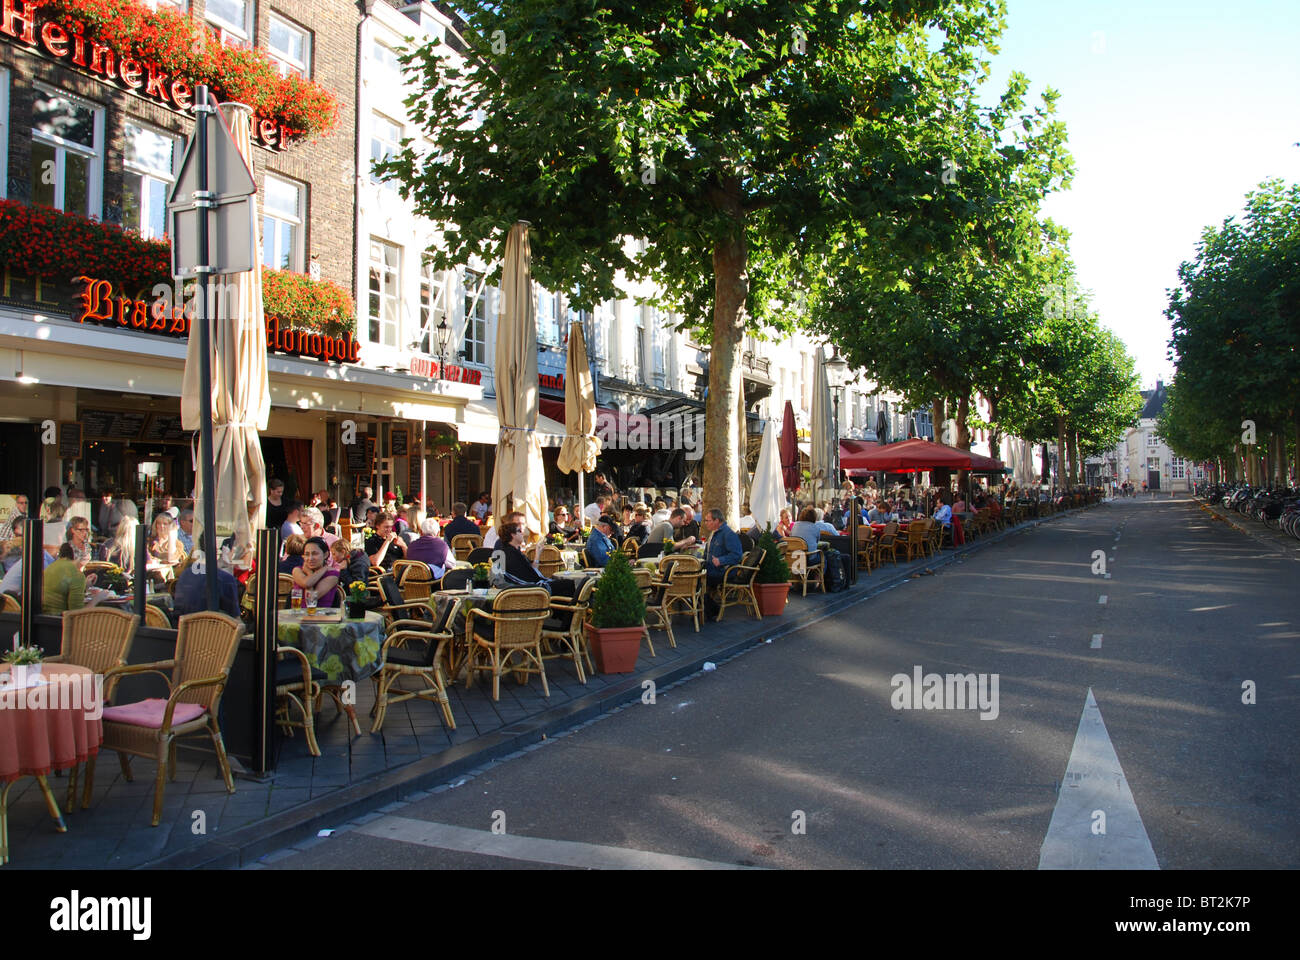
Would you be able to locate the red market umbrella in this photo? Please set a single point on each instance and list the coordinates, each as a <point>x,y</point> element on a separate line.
<point>789,449</point>
<point>908,456</point>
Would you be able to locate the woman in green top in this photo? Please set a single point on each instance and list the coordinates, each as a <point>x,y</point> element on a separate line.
<point>64,584</point>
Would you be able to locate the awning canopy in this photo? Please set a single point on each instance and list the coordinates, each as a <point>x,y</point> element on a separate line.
<point>910,456</point>
<point>481,426</point>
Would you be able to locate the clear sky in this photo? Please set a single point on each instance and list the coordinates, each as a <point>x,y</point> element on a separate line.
<point>1175,110</point>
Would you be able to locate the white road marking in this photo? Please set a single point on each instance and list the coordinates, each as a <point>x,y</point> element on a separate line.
<point>1094,781</point>
<point>1102,598</point>
<point>568,853</point>
<point>1096,641</point>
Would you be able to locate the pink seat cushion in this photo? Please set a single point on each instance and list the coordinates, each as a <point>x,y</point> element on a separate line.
<point>149,713</point>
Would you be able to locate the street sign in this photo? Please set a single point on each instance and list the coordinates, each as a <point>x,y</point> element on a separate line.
<point>228,205</point>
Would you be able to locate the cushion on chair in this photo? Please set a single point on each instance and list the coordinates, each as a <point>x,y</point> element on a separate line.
<point>420,656</point>
<point>149,713</point>
<point>289,670</point>
<point>392,592</point>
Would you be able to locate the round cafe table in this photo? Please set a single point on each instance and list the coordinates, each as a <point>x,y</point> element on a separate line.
<point>52,723</point>
<point>345,651</point>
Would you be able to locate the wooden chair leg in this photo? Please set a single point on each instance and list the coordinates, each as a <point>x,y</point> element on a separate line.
<point>222,760</point>
<point>70,805</point>
<point>125,760</point>
<point>4,822</point>
<point>90,780</point>
<point>160,783</point>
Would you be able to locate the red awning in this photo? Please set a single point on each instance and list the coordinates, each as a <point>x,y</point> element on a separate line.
<point>909,456</point>
<point>607,421</point>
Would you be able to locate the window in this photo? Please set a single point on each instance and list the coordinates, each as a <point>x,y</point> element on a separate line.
<point>385,292</point>
<point>385,58</point>
<point>1178,468</point>
<point>433,306</point>
<point>639,373</point>
<point>290,47</point>
<point>150,171</point>
<point>4,132</point>
<point>67,153</point>
<point>548,324</point>
<point>282,224</point>
<point>1152,440</point>
<point>475,348</point>
<point>231,19</point>
<point>657,347</point>
<point>385,140</point>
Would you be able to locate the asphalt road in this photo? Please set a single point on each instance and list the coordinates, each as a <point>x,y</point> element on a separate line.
<point>725,768</point>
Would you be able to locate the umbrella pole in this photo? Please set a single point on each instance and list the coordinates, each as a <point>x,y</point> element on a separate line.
<point>582,505</point>
<point>203,108</point>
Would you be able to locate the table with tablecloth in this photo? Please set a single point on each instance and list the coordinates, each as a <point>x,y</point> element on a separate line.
<point>346,650</point>
<point>51,723</point>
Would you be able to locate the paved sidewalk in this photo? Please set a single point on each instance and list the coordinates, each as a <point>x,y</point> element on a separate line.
<point>1269,536</point>
<point>202,825</point>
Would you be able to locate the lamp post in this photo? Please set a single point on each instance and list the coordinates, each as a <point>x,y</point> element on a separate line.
<point>444,339</point>
<point>836,376</point>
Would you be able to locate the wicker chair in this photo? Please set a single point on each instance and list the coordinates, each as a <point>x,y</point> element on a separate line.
<point>812,570</point>
<point>684,583</point>
<point>156,616</point>
<point>415,579</point>
<point>414,649</point>
<point>737,585</point>
<point>550,562</point>
<point>886,542</point>
<point>867,556</point>
<point>654,610</point>
<point>456,579</point>
<point>631,546</point>
<point>395,606</point>
<point>914,544</point>
<point>513,629</point>
<point>297,684</point>
<point>284,592</point>
<point>99,639</point>
<point>11,604</point>
<point>463,543</point>
<point>565,628</point>
<point>205,650</point>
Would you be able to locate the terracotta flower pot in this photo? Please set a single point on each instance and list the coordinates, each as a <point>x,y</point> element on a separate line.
<point>615,648</point>
<point>771,598</point>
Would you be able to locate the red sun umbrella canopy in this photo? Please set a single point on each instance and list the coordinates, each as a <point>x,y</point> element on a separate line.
<point>909,456</point>
<point>789,449</point>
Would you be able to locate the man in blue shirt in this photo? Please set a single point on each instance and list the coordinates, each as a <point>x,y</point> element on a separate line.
<point>599,544</point>
<point>191,592</point>
<point>459,523</point>
<point>723,549</point>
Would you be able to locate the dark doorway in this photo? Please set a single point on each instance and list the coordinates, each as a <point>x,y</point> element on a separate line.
<point>20,467</point>
<point>1153,479</point>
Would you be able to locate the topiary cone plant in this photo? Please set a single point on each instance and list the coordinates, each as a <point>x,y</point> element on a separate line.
<point>617,618</point>
<point>772,582</point>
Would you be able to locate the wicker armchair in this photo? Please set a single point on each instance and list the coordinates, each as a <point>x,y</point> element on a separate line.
<point>684,584</point>
<point>297,684</point>
<point>565,629</point>
<point>550,562</point>
<point>284,591</point>
<point>415,579</point>
<point>737,585</point>
<point>915,542</point>
<point>156,616</point>
<point>653,607</point>
<point>631,546</point>
<point>866,545</point>
<point>463,543</point>
<point>813,568</point>
<point>457,579</point>
<point>11,604</point>
<point>205,651</point>
<point>886,543</point>
<point>99,639</point>
<point>512,630</point>
<point>414,649</point>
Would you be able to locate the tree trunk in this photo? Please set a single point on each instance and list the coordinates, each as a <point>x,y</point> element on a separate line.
<point>938,414</point>
<point>963,431</point>
<point>722,437</point>
<point>1076,467</point>
<point>1060,450</point>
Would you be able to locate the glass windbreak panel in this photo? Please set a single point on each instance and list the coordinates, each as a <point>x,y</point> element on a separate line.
<point>61,117</point>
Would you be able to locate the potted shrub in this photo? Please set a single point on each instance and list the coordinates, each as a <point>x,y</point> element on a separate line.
<point>357,594</point>
<point>482,576</point>
<point>617,617</point>
<point>25,661</point>
<point>772,582</point>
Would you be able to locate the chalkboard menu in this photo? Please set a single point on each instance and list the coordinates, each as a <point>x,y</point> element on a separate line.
<point>401,437</point>
<point>69,441</point>
<point>112,424</point>
<point>414,474</point>
<point>361,457</point>
<point>165,428</point>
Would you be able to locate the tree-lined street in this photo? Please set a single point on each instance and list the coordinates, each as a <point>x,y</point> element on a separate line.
<point>722,766</point>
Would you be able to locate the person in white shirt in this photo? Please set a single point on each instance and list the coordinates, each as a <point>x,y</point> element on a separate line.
<point>482,506</point>
<point>594,511</point>
<point>661,514</point>
<point>291,525</point>
<point>747,521</point>
<point>944,513</point>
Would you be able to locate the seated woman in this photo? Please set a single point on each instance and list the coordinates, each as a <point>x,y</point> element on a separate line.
<point>517,565</point>
<point>561,525</point>
<point>318,572</point>
<point>784,523</point>
<point>121,549</point>
<point>640,525</point>
<point>430,548</point>
<point>351,559</point>
<point>165,548</point>
<point>809,529</point>
<point>292,558</point>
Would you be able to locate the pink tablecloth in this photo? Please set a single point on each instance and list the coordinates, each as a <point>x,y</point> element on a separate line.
<point>51,729</point>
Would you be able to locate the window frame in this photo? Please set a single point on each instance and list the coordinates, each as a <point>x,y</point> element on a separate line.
<point>548,323</point>
<point>146,173</point>
<point>226,30</point>
<point>376,116</point>
<point>478,316</point>
<point>4,132</point>
<point>96,153</point>
<point>432,306</point>
<point>297,257</point>
<point>283,63</point>
<point>395,297</point>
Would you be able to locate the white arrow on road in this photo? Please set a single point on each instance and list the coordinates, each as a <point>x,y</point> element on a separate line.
<point>1094,782</point>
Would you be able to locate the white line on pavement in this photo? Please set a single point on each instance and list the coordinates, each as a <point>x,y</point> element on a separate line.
<point>1096,824</point>
<point>1096,641</point>
<point>566,853</point>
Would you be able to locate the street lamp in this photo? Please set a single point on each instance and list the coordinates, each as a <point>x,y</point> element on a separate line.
<point>837,371</point>
<point>444,339</point>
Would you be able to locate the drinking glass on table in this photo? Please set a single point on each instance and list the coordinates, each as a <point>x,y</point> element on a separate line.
<point>295,598</point>
<point>311,601</point>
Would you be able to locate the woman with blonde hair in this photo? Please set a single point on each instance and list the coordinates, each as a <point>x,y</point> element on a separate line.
<point>121,549</point>
<point>165,547</point>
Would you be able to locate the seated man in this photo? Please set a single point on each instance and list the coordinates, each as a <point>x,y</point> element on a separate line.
<point>64,585</point>
<point>599,544</point>
<point>191,592</point>
<point>723,548</point>
<point>460,524</point>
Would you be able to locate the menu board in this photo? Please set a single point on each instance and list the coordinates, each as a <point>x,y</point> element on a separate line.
<point>69,441</point>
<point>401,437</point>
<point>414,473</point>
<point>358,462</point>
<point>165,428</point>
<point>112,424</point>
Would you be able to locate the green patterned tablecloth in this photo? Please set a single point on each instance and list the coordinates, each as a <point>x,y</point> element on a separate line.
<point>345,651</point>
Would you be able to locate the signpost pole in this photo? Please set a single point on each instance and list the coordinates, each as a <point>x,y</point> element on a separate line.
<point>206,202</point>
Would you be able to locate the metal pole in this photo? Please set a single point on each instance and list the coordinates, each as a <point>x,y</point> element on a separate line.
<point>264,632</point>
<point>206,202</point>
<point>140,574</point>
